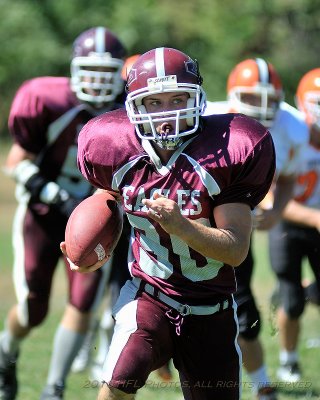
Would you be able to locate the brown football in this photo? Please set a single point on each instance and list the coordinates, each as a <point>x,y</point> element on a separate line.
<point>93,229</point>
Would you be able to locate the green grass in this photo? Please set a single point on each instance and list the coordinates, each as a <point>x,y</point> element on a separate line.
<point>35,354</point>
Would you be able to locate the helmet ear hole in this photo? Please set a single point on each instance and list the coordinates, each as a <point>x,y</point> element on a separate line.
<point>191,103</point>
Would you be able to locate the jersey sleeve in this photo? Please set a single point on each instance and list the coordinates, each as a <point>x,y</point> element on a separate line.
<point>27,119</point>
<point>290,135</point>
<point>103,147</point>
<point>37,103</point>
<point>93,159</point>
<point>252,173</point>
<point>254,178</point>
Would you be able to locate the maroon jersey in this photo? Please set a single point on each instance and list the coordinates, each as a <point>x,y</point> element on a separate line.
<point>230,161</point>
<point>45,119</point>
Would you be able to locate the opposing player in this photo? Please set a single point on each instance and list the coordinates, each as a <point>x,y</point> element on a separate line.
<point>297,236</point>
<point>254,88</point>
<point>45,118</point>
<point>188,185</point>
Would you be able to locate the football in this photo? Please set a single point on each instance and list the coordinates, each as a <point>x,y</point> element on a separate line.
<point>93,229</point>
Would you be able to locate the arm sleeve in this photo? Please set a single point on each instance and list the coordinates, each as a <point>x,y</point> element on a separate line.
<point>100,171</point>
<point>27,119</point>
<point>251,180</point>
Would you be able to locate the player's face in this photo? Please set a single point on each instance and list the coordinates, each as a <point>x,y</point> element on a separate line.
<point>104,75</point>
<point>171,101</point>
<point>254,99</point>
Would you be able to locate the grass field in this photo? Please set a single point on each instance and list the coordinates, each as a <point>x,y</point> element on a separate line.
<point>35,354</point>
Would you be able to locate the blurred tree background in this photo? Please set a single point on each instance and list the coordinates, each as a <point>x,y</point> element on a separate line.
<point>37,35</point>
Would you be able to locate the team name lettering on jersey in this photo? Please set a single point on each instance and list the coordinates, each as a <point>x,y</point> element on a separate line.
<point>187,200</point>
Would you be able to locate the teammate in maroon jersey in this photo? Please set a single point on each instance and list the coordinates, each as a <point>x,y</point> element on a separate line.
<point>187,184</point>
<point>45,118</point>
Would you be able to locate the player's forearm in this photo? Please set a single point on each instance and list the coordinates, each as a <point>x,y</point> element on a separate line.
<point>300,214</point>
<point>219,244</point>
<point>15,156</point>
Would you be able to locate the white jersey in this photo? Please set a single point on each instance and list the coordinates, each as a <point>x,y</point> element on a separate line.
<point>289,132</point>
<point>307,187</point>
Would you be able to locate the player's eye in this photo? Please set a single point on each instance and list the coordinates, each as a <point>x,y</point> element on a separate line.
<point>177,101</point>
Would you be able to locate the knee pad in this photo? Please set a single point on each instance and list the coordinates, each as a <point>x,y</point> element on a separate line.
<point>249,320</point>
<point>294,307</point>
<point>312,293</point>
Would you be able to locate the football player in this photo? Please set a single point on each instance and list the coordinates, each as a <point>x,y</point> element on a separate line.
<point>188,184</point>
<point>254,88</point>
<point>297,236</point>
<point>46,116</point>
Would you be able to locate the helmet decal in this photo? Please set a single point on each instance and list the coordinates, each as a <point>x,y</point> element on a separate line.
<point>192,67</point>
<point>132,76</point>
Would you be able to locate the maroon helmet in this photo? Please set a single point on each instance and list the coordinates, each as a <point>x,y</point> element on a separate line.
<point>164,70</point>
<point>97,61</point>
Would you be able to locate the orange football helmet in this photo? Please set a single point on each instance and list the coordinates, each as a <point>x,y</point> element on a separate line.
<point>308,95</point>
<point>254,88</point>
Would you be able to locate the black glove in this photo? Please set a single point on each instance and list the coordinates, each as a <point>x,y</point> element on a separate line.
<point>44,191</point>
<point>65,207</point>
<point>35,184</point>
<point>50,193</point>
<point>28,174</point>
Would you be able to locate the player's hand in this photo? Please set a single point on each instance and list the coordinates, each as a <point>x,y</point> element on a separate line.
<point>166,212</point>
<point>83,270</point>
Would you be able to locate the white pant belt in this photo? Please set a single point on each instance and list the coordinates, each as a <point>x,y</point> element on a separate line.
<point>183,309</point>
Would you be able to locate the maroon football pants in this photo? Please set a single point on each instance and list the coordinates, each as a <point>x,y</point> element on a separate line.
<point>148,334</point>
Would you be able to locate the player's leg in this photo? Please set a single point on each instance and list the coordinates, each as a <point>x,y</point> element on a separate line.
<point>87,352</point>
<point>103,337</point>
<point>141,343</point>
<point>32,272</point>
<point>83,358</point>
<point>312,243</point>
<point>249,329</point>
<point>286,253</point>
<point>108,393</point>
<point>118,276</point>
<point>312,291</point>
<point>208,357</point>
<point>85,293</point>
<point>103,327</point>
